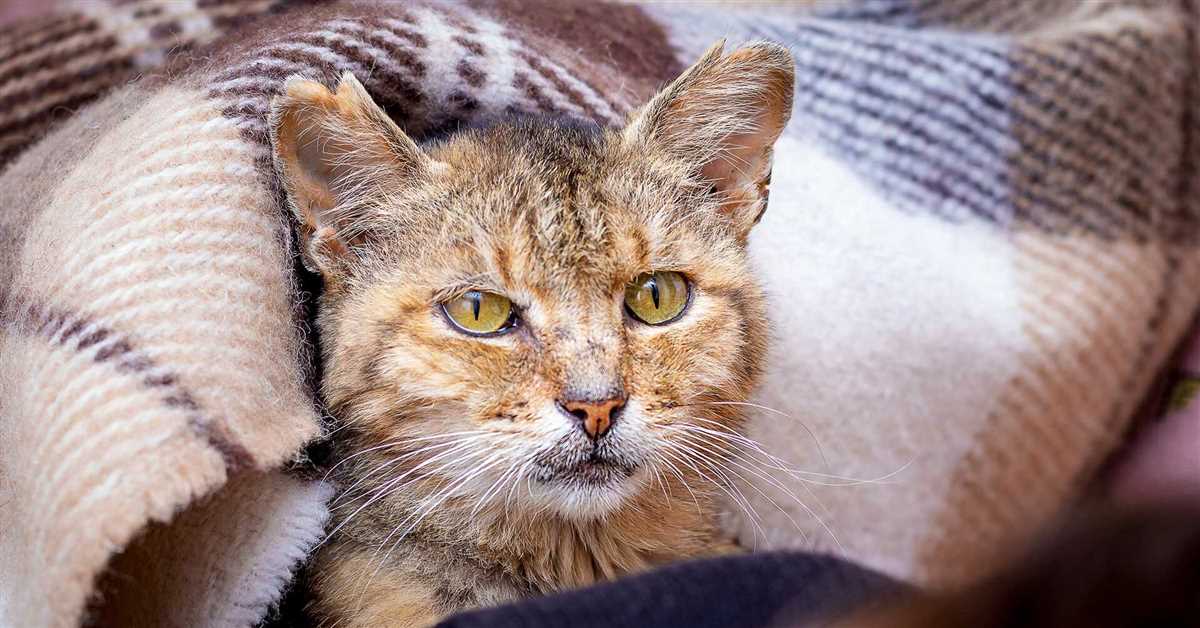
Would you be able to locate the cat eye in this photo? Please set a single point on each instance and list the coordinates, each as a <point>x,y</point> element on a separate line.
<point>657,298</point>
<point>480,313</point>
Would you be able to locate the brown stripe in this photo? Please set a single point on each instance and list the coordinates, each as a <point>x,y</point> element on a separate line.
<point>67,29</point>
<point>204,4</point>
<point>23,27</point>
<point>67,99</point>
<point>521,81</point>
<point>47,63</point>
<point>469,73</point>
<point>415,38</point>
<point>397,84</point>
<point>402,15</point>
<point>22,30</point>
<point>402,56</point>
<point>394,92</point>
<point>457,21</point>
<point>144,12</point>
<point>620,35</point>
<point>561,85</point>
<point>165,30</point>
<point>33,319</point>
<point>471,46</point>
<point>463,101</point>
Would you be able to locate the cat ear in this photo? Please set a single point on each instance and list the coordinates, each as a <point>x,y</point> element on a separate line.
<point>330,149</point>
<point>722,117</point>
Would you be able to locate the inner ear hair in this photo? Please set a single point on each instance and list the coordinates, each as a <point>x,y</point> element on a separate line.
<point>722,116</point>
<point>331,149</point>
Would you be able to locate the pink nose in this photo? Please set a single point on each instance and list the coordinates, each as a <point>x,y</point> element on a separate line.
<point>595,417</point>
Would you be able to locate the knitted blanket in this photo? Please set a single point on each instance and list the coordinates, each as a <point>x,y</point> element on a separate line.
<point>982,217</point>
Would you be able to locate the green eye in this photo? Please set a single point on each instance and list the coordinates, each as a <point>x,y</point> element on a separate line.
<point>657,298</point>
<point>480,313</point>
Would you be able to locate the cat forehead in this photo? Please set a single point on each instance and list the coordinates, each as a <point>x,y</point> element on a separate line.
<point>555,182</point>
<point>552,205</point>
<point>521,166</point>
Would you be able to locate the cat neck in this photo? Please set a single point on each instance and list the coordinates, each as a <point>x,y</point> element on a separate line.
<point>548,552</point>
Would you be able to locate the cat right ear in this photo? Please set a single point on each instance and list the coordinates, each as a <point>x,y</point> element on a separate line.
<point>331,148</point>
<point>722,117</point>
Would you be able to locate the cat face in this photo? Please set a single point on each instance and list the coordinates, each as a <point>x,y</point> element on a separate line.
<point>539,316</point>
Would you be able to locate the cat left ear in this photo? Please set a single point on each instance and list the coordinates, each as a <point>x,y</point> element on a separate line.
<point>722,116</point>
<point>330,149</point>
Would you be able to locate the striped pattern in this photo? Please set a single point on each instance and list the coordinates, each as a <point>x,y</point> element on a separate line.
<point>1059,138</point>
<point>146,282</point>
<point>433,69</point>
<point>162,357</point>
<point>976,127</point>
<point>950,160</point>
<point>52,66</point>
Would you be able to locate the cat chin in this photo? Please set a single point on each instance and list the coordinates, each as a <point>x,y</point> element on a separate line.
<point>586,495</point>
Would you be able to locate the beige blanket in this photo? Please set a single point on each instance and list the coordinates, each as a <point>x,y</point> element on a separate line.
<point>982,219</point>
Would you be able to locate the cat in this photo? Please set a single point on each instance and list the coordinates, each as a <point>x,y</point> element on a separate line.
<point>536,334</point>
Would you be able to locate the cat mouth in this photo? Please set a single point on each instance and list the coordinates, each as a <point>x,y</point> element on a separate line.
<point>594,470</point>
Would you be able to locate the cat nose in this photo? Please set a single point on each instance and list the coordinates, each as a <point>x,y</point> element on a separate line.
<point>594,417</point>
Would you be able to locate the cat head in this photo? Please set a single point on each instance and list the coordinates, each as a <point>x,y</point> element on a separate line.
<point>565,313</point>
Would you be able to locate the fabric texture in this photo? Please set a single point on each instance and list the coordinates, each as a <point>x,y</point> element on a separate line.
<point>980,242</point>
<point>981,230</point>
<point>56,62</point>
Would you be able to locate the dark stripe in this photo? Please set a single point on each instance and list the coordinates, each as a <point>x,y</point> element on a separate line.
<point>470,46</point>
<point>457,21</point>
<point>414,37</point>
<point>85,49</point>
<point>165,30</point>
<point>30,318</point>
<point>155,381</point>
<point>521,81</point>
<point>1026,154</point>
<point>402,56</point>
<point>112,350</point>
<point>951,13</point>
<point>562,86</point>
<point>32,25</point>
<point>70,26</point>
<point>91,339</point>
<point>144,12</point>
<point>394,87</point>
<point>59,103</point>
<point>463,101</point>
<point>469,73</point>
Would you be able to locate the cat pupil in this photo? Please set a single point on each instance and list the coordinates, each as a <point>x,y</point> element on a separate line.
<point>476,299</point>
<point>654,292</point>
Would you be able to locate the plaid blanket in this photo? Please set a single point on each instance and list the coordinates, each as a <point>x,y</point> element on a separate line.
<point>981,231</point>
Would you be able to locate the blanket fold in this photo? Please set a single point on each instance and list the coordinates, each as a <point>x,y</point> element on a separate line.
<point>982,225</point>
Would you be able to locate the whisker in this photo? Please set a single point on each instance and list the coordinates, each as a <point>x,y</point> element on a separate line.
<point>499,483</point>
<point>773,481</point>
<point>347,493</point>
<point>397,442</point>
<point>733,492</point>
<point>516,483</point>
<point>420,516</point>
<point>803,534</point>
<point>687,485</point>
<point>803,425</point>
<point>385,489</point>
<point>783,465</point>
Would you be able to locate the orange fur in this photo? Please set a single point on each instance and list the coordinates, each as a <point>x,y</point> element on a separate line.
<point>463,484</point>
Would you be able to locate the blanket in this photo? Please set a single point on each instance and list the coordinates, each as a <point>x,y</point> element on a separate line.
<point>982,222</point>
